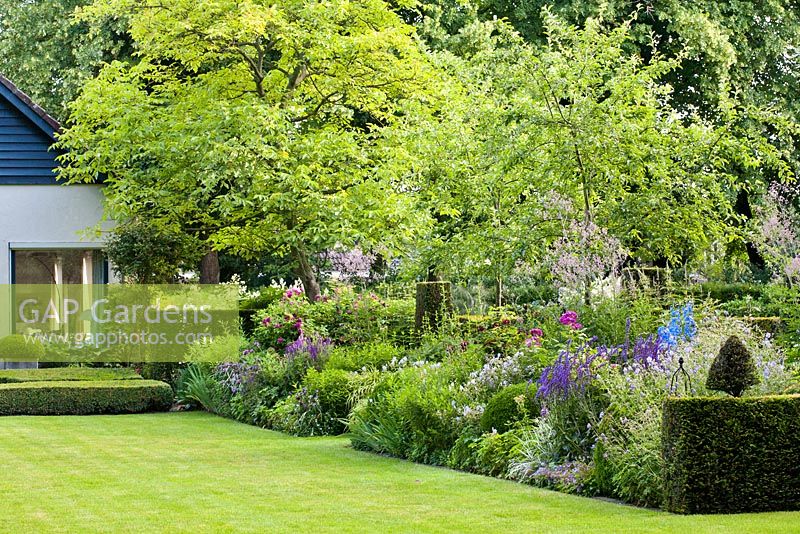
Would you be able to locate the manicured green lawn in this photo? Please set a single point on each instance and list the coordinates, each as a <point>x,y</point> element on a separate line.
<point>195,472</point>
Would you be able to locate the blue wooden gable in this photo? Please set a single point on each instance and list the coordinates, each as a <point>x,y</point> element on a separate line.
<point>26,134</point>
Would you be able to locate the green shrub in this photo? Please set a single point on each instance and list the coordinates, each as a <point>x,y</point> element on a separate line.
<point>249,308</point>
<point>319,407</point>
<point>169,372</point>
<point>504,408</point>
<point>730,455</point>
<point>300,414</point>
<point>488,453</point>
<point>346,317</point>
<point>357,357</point>
<point>427,403</point>
<point>412,413</point>
<point>607,318</point>
<point>67,374</point>
<point>16,348</point>
<point>434,304</point>
<point>531,293</point>
<point>723,292</point>
<point>84,397</point>
<point>334,388</point>
<point>399,320</point>
<point>265,298</point>
<point>225,348</point>
<point>733,370</point>
<point>770,325</point>
<point>376,423</point>
<point>494,452</point>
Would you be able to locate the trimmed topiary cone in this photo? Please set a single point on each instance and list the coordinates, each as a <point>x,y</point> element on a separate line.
<point>733,370</point>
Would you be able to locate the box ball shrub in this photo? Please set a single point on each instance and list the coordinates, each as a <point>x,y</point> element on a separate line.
<point>84,397</point>
<point>504,409</point>
<point>730,455</point>
<point>733,370</point>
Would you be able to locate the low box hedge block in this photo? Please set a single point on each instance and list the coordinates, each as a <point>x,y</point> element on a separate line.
<point>62,374</point>
<point>84,397</point>
<point>730,455</point>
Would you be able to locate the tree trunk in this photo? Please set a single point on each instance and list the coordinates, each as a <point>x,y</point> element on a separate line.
<point>431,274</point>
<point>434,303</point>
<point>742,207</point>
<point>305,271</point>
<point>209,268</point>
<point>498,285</point>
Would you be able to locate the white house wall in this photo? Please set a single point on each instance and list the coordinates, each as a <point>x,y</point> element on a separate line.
<point>47,215</point>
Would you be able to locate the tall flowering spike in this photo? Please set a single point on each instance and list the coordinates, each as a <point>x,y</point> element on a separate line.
<point>236,376</point>
<point>689,325</point>
<point>315,347</point>
<point>626,345</point>
<point>571,372</point>
<point>681,326</point>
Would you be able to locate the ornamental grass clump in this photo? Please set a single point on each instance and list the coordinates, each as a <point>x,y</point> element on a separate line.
<point>733,370</point>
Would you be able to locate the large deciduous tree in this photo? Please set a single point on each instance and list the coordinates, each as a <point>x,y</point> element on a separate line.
<point>49,56</point>
<point>747,51</point>
<point>254,125</point>
<point>583,130</point>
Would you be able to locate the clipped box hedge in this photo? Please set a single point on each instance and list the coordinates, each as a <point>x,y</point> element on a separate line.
<point>62,374</point>
<point>84,397</point>
<point>729,455</point>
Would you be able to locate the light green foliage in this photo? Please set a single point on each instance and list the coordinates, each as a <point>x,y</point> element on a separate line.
<point>532,139</point>
<point>15,347</point>
<point>253,126</point>
<point>509,406</point>
<point>197,387</point>
<point>345,316</point>
<point>494,452</point>
<point>63,374</point>
<point>414,413</point>
<point>606,318</point>
<point>220,349</point>
<point>742,46</point>
<point>633,457</point>
<point>488,453</point>
<point>318,407</point>
<point>334,387</point>
<point>301,415</point>
<point>357,357</point>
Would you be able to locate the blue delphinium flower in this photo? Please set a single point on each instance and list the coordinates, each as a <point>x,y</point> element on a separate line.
<point>689,326</point>
<point>681,326</point>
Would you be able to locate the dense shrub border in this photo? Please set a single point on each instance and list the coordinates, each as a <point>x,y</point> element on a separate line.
<point>84,397</point>
<point>728,455</point>
<point>65,374</point>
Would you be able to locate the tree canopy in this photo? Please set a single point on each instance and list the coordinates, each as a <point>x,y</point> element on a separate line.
<point>49,56</point>
<point>471,144</point>
<point>255,126</point>
<point>580,130</point>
